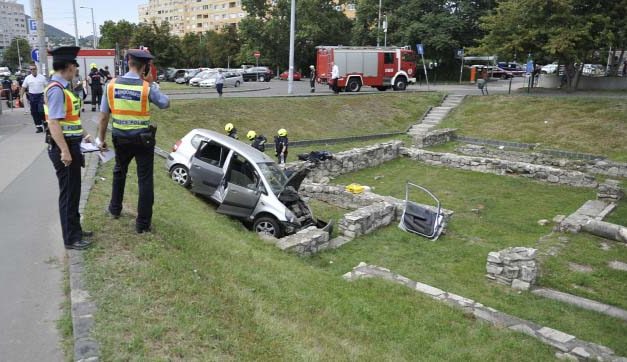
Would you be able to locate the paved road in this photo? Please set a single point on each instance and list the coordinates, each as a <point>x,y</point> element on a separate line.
<point>32,253</point>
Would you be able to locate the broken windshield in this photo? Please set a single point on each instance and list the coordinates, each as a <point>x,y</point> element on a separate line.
<point>274,175</point>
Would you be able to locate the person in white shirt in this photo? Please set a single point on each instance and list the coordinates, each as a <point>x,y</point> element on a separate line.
<point>335,76</point>
<point>35,84</point>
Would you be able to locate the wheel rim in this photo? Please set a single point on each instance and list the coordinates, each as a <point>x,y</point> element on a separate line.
<point>353,86</point>
<point>400,85</point>
<point>179,175</point>
<point>265,227</point>
<point>236,84</point>
<point>261,79</point>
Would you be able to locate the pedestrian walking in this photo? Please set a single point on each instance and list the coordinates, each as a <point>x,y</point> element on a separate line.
<point>106,75</point>
<point>312,78</point>
<point>482,82</point>
<point>219,82</point>
<point>64,135</point>
<point>335,76</point>
<point>257,141</point>
<point>33,87</point>
<point>281,144</point>
<point>95,80</point>
<point>126,102</point>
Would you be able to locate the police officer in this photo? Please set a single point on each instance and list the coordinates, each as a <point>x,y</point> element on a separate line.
<point>126,101</point>
<point>95,79</point>
<point>281,143</point>
<point>231,131</point>
<point>258,141</point>
<point>64,135</point>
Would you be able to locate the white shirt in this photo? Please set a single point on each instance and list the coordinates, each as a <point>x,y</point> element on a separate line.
<point>219,78</point>
<point>335,72</point>
<point>35,85</point>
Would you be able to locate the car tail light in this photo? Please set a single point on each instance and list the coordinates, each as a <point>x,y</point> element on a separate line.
<point>176,146</point>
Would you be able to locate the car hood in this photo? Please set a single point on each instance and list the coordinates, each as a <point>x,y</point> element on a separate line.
<point>296,179</point>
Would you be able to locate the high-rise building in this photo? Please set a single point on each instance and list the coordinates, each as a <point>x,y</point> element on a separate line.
<point>12,23</point>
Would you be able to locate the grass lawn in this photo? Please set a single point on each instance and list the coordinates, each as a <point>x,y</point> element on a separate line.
<point>509,210</point>
<point>597,126</point>
<point>619,215</point>
<point>201,287</point>
<point>167,86</point>
<point>304,118</point>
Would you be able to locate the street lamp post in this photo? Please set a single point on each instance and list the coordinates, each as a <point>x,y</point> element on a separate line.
<point>93,25</point>
<point>379,24</point>
<point>385,30</point>
<point>290,78</point>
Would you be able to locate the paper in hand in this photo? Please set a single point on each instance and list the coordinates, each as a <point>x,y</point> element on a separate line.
<point>106,156</point>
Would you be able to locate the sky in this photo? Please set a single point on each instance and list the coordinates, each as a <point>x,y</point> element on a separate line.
<point>58,13</point>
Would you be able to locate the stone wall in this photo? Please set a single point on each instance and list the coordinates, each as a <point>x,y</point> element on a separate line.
<point>367,219</point>
<point>598,167</point>
<point>305,242</point>
<point>435,137</point>
<point>502,167</point>
<point>515,267</point>
<point>610,190</point>
<point>349,161</point>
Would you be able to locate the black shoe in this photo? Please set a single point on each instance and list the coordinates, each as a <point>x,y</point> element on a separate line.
<point>39,130</point>
<point>110,214</point>
<point>88,234</point>
<point>93,109</point>
<point>143,229</point>
<point>79,245</point>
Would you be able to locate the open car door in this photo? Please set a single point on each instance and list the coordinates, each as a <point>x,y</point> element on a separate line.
<point>206,171</point>
<point>419,219</point>
<point>243,188</point>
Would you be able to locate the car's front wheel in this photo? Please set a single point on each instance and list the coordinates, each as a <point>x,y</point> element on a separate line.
<point>262,78</point>
<point>267,225</point>
<point>180,175</point>
<point>237,83</point>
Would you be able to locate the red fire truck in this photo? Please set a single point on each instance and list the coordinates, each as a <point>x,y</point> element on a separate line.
<point>381,68</point>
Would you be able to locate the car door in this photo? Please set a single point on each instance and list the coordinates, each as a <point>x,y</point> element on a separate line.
<point>243,190</point>
<point>207,165</point>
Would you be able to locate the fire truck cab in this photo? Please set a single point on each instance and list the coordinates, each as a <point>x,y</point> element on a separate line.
<point>381,68</point>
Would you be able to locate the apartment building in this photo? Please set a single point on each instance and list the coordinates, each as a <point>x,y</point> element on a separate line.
<point>198,16</point>
<point>12,23</point>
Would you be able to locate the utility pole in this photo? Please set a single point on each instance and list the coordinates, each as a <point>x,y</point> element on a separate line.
<point>19,56</point>
<point>385,31</point>
<point>290,77</point>
<point>38,14</point>
<point>93,26</point>
<point>379,24</point>
<point>75,23</point>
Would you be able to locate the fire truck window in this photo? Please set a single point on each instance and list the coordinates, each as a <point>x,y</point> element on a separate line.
<point>409,58</point>
<point>388,58</point>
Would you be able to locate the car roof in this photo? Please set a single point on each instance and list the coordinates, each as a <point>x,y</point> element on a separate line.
<point>241,148</point>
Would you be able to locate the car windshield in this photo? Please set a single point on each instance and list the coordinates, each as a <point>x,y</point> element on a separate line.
<point>273,175</point>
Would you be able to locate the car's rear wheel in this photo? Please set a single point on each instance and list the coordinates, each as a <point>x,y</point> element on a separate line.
<point>262,78</point>
<point>237,83</point>
<point>180,175</point>
<point>268,225</point>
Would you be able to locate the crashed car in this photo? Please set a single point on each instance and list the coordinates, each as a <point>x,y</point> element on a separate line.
<point>244,182</point>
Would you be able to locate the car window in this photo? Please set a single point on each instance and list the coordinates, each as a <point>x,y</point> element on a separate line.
<point>212,153</point>
<point>242,173</point>
<point>197,139</point>
<point>275,177</point>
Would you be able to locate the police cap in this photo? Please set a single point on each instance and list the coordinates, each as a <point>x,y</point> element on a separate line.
<point>65,54</point>
<point>141,55</point>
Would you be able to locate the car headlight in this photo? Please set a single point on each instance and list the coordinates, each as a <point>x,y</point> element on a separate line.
<point>289,216</point>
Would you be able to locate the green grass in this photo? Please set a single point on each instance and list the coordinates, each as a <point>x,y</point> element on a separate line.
<point>204,288</point>
<point>304,118</point>
<point>168,86</point>
<point>509,210</point>
<point>64,324</point>
<point>597,126</point>
<point>619,215</point>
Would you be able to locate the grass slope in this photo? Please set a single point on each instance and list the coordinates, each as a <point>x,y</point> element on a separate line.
<point>597,126</point>
<point>203,287</point>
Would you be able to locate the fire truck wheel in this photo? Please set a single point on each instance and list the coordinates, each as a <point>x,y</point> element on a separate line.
<point>400,84</point>
<point>353,85</point>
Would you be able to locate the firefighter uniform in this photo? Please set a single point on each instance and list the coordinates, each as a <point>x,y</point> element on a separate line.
<point>95,81</point>
<point>62,105</point>
<point>127,99</point>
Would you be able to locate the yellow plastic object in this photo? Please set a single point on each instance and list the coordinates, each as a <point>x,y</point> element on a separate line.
<point>355,188</point>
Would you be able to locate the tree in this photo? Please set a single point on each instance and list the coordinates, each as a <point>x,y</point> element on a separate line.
<point>120,33</point>
<point>164,47</point>
<point>11,58</point>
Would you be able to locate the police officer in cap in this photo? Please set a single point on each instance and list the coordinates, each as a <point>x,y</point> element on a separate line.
<point>126,102</point>
<point>62,113</point>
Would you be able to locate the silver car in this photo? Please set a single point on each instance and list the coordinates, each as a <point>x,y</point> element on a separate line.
<point>231,79</point>
<point>245,183</point>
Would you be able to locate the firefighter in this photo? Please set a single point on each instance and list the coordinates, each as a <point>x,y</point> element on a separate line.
<point>95,80</point>
<point>127,103</point>
<point>281,144</point>
<point>312,78</point>
<point>65,132</point>
<point>231,131</point>
<point>258,141</point>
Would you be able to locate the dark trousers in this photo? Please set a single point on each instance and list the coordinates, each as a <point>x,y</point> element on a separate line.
<point>219,88</point>
<point>37,108</point>
<point>144,158</point>
<point>312,84</point>
<point>96,97</point>
<point>69,191</point>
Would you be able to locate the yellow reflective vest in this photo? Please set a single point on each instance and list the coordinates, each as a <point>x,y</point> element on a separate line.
<point>71,124</point>
<point>128,105</point>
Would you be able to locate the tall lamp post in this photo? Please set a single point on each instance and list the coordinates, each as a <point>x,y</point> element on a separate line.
<point>385,30</point>
<point>290,79</point>
<point>93,25</point>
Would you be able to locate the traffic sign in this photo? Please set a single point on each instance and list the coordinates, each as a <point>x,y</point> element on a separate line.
<point>34,54</point>
<point>32,24</point>
<point>530,67</point>
<point>420,49</point>
<point>257,54</point>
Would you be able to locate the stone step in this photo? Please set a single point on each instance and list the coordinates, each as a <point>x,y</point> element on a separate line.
<point>433,118</point>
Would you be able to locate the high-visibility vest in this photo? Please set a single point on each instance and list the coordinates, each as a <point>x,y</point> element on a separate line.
<point>128,105</point>
<point>71,124</point>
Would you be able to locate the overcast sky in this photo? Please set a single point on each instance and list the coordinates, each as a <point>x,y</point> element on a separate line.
<point>58,13</point>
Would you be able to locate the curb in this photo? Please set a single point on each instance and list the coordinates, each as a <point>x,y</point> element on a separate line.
<point>233,91</point>
<point>86,348</point>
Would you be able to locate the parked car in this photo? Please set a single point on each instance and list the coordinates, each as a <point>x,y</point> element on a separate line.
<point>549,68</point>
<point>187,76</point>
<point>285,75</point>
<point>205,74</point>
<point>5,72</point>
<point>245,182</point>
<point>494,72</point>
<point>231,79</point>
<point>593,70</point>
<point>262,74</point>
<point>516,69</point>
